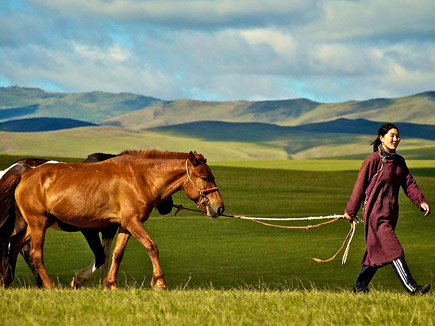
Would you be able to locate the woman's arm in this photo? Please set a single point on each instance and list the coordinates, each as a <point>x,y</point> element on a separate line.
<point>412,191</point>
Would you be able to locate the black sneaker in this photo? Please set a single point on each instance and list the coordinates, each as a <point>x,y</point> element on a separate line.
<point>361,289</point>
<point>421,289</point>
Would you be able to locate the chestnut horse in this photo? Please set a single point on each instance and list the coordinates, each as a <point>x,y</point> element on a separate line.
<point>122,190</point>
<point>15,224</point>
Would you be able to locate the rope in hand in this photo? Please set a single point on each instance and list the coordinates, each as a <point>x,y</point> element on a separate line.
<point>334,218</point>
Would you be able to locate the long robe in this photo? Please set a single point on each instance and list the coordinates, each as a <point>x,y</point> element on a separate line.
<point>378,186</point>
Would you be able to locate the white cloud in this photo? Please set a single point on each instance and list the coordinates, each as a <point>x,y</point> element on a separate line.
<point>189,14</point>
<point>325,50</point>
<point>282,43</point>
<point>374,19</point>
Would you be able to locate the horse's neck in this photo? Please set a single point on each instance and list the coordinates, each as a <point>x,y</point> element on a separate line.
<point>171,175</point>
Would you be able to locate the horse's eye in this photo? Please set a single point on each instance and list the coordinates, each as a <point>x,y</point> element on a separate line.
<point>204,179</point>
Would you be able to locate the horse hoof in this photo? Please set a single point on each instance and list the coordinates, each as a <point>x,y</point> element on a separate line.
<point>159,285</point>
<point>111,286</point>
<point>160,288</point>
<point>75,284</point>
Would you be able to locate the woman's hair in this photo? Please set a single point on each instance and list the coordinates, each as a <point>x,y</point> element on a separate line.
<point>382,132</point>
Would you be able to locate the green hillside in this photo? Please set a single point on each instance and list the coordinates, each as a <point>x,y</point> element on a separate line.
<point>418,108</point>
<point>17,102</point>
<point>136,112</point>
<point>79,142</point>
<point>238,130</point>
<point>254,132</point>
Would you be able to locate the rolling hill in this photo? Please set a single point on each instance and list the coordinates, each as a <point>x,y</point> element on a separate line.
<point>237,130</point>
<point>136,112</point>
<point>419,108</point>
<point>252,132</point>
<point>218,141</point>
<point>17,102</point>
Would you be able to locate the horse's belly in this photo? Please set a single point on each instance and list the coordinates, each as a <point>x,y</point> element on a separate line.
<point>84,215</point>
<point>87,221</point>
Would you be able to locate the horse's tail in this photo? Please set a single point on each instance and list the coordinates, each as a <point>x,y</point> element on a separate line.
<point>7,218</point>
<point>7,201</point>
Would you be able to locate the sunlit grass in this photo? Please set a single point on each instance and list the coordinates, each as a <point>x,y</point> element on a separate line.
<point>208,306</point>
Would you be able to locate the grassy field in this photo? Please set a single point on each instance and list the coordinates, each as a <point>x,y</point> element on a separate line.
<point>212,307</point>
<point>233,272</point>
<point>79,142</point>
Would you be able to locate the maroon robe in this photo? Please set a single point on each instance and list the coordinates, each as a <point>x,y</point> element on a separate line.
<point>378,186</point>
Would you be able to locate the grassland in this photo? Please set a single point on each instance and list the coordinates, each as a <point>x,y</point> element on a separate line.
<point>212,307</point>
<point>80,142</point>
<point>231,272</point>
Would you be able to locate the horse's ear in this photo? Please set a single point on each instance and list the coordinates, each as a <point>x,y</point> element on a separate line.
<point>193,159</point>
<point>200,158</point>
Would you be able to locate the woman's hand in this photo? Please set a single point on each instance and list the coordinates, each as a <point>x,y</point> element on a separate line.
<point>425,207</point>
<point>349,218</point>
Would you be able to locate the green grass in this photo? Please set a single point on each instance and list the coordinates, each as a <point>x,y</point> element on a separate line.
<point>80,142</point>
<point>229,253</point>
<point>313,165</point>
<point>212,307</point>
<point>233,272</point>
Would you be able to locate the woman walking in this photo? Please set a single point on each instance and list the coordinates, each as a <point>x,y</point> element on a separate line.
<point>381,175</point>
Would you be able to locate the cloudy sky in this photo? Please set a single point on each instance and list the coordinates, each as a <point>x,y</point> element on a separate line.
<point>327,51</point>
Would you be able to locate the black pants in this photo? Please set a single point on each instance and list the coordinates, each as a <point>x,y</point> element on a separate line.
<point>399,266</point>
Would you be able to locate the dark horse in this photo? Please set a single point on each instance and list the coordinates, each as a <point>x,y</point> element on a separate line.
<point>14,223</point>
<point>122,190</point>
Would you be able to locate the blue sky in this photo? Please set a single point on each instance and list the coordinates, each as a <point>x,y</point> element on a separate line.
<point>327,51</point>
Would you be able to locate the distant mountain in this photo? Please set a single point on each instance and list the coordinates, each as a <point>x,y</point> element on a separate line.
<point>17,102</point>
<point>136,112</point>
<point>419,108</point>
<point>252,132</point>
<point>42,124</point>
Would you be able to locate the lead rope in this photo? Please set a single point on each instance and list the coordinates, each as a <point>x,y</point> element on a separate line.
<point>348,239</point>
<point>334,218</point>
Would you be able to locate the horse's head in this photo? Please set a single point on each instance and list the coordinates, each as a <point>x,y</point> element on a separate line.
<point>200,186</point>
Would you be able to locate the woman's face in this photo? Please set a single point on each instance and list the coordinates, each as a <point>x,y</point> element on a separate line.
<point>390,140</point>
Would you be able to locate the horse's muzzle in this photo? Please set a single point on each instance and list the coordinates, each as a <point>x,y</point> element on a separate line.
<point>215,212</point>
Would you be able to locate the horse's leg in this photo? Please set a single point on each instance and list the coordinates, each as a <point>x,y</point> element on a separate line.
<point>25,251</point>
<point>4,263</point>
<point>107,245</point>
<point>107,235</point>
<point>38,226</point>
<point>137,229</point>
<point>84,275</point>
<point>6,229</point>
<point>118,252</point>
<point>18,241</point>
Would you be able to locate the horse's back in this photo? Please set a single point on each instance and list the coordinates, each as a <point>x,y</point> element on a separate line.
<point>75,193</point>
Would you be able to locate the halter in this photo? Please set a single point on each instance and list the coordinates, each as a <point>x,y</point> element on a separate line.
<point>203,193</point>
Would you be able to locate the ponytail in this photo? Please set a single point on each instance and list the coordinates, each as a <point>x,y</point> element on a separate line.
<point>376,144</point>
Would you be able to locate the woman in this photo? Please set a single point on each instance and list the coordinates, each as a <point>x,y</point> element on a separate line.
<point>379,179</point>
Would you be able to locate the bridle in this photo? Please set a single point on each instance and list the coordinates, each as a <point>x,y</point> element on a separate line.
<point>202,193</point>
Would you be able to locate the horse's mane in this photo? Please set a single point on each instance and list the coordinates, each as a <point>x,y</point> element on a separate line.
<point>156,154</point>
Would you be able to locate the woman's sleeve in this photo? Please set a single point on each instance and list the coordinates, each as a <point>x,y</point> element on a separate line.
<point>359,188</point>
<point>410,187</point>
